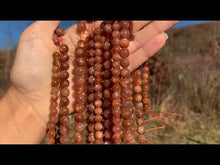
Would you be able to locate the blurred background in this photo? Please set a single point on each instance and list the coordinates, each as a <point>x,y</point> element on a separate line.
<point>185,78</point>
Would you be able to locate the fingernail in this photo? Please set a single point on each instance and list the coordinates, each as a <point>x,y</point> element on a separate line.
<point>165,35</point>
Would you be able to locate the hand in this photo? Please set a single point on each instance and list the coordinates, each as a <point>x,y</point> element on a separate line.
<point>31,72</point>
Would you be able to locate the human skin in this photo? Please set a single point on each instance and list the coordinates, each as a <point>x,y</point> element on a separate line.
<point>24,109</point>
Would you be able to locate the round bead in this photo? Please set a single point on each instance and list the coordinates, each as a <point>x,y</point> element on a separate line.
<point>98,134</point>
<point>124,43</point>
<point>64,120</point>
<point>80,61</point>
<point>124,52</point>
<point>81,26</point>
<point>64,139</point>
<point>124,62</point>
<point>64,111</point>
<point>108,28</point>
<point>125,24</point>
<point>64,101</point>
<point>63,48</point>
<point>98,126</point>
<point>125,33</point>
<point>79,117</point>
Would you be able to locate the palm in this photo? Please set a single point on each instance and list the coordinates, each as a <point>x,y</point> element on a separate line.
<point>31,73</point>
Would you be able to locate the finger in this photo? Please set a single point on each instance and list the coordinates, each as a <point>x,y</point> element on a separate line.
<point>47,25</point>
<point>153,29</point>
<point>138,25</point>
<point>147,51</point>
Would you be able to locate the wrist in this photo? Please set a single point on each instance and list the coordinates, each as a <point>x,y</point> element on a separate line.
<point>19,122</point>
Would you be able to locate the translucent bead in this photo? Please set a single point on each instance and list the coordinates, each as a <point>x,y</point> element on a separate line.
<point>98,126</point>
<point>116,34</point>
<point>64,130</point>
<point>98,118</point>
<point>125,33</point>
<point>79,117</point>
<point>79,127</point>
<point>64,139</point>
<point>64,66</point>
<point>124,52</point>
<point>108,28</point>
<point>81,44</point>
<point>116,26</point>
<point>98,134</point>
<point>64,74</point>
<point>79,108</point>
<point>124,62</point>
<point>64,120</point>
<point>125,24</point>
<point>125,73</point>
<point>81,26</point>
<point>124,43</point>
<point>64,101</point>
<point>64,111</point>
<point>80,61</point>
<point>116,121</point>
<point>63,48</point>
<point>59,31</point>
<point>51,133</point>
<point>64,92</point>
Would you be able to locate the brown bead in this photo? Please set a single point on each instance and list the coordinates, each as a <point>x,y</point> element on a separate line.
<point>55,83</point>
<point>51,133</point>
<point>137,74</point>
<point>116,64</point>
<point>81,99</point>
<point>125,73</point>
<point>107,113</point>
<point>107,64</point>
<point>98,59</point>
<point>78,138</point>
<point>97,38</point>
<point>116,87</point>
<point>107,74</point>
<point>64,120</point>
<point>56,39</point>
<point>108,28</point>
<point>64,92</point>
<point>107,46</point>
<point>51,126</point>
<point>81,44</point>
<point>124,52</point>
<point>80,52</point>
<point>64,101</point>
<point>98,111</point>
<point>139,105</point>
<point>98,45</point>
<point>116,112</point>
<point>98,118</point>
<point>107,83</point>
<point>98,87</point>
<point>79,117</point>
<point>98,31</point>
<point>64,130</point>
<point>116,34</point>
<point>53,119</point>
<point>107,55</point>
<point>98,126</point>
<point>91,138</point>
<point>140,122</point>
<point>56,55</point>
<point>126,114</point>
<point>98,134</point>
<point>125,33</point>
<point>91,107</point>
<point>116,26</point>
<point>64,139</point>
<point>98,95</point>
<point>138,97</point>
<point>139,113</point>
<point>56,62</point>
<point>116,129</point>
<point>98,75</point>
<point>107,124</point>
<point>116,103</point>
<point>141,130</point>
<point>79,80</point>
<point>98,52</point>
<point>79,108</point>
<point>117,138</point>
<point>128,123</point>
<point>64,111</point>
<point>128,136</point>
<point>79,127</point>
<point>142,139</point>
<point>91,98</point>
<point>107,93</point>
<point>50,141</point>
<point>80,61</point>
<point>80,70</point>
<point>80,89</point>
<point>53,105</point>
<point>116,95</point>
<point>116,57</point>
<point>124,43</point>
<point>125,24</point>
<point>137,81</point>
<point>64,83</point>
<point>124,62</point>
<point>81,26</point>
<point>91,127</point>
<point>63,48</point>
<point>91,79</point>
<point>137,89</point>
<point>116,72</point>
<point>55,69</point>
<point>116,49</point>
<point>64,74</point>
<point>64,58</point>
<point>107,134</point>
<point>98,103</point>
<point>98,66</point>
<point>116,121</point>
<point>64,66</point>
<point>99,141</point>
